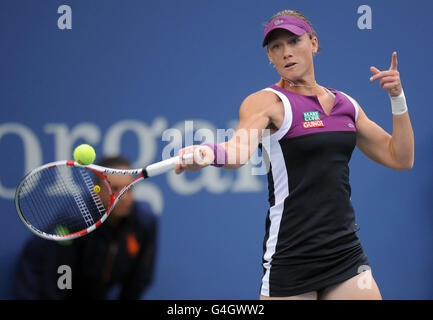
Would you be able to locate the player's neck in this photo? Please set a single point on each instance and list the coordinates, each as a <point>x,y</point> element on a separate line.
<point>304,87</point>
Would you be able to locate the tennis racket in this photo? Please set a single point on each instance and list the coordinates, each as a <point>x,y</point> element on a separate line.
<point>62,200</point>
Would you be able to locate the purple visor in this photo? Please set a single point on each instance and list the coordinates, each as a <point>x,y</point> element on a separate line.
<point>292,24</point>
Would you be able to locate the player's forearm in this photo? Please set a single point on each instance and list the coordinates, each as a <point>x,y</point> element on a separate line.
<point>237,155</point>
<point>402,141</point>
<point>240,148</point>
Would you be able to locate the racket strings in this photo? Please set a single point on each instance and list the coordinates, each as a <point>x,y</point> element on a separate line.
<point>91,189</point>
<point>40,213</point>
<point>60,200</point>
<point>33,205</point>
<point>77,194</point>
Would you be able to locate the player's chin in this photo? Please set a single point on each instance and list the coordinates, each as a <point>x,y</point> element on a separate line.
<point>290,75</point>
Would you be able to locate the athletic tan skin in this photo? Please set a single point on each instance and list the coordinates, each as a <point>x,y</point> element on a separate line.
<point>264,110</point>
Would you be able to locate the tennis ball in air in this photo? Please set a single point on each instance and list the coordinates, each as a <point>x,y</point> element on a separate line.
<point>84,154</point>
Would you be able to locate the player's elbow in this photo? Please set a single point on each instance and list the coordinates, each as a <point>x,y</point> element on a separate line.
<point>405,165</point>
<point>403,160</point>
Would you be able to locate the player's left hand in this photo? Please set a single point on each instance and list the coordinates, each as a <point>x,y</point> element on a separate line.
<point>390,79</point>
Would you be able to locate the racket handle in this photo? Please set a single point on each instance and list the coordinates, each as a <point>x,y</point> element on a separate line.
<point>166,165</point>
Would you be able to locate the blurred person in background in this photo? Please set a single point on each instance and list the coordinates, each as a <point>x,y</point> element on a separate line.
<point>116,261</point>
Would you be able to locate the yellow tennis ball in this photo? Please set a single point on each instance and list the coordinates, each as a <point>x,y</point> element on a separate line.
<point>97,189</point>
<point>84,154</point>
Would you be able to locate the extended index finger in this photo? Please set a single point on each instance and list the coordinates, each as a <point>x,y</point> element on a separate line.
<point>394,61</point>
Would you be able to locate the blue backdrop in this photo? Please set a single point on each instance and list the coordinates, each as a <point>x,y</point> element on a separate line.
<point>128,70</point>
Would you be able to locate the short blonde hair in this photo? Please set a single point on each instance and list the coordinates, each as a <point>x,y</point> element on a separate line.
<point>297,14</point>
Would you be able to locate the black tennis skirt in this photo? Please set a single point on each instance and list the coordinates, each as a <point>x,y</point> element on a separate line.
<point>291,278</point>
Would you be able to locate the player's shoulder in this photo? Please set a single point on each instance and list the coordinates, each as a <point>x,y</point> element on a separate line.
<point>262,96</point>
<point>259,100</point>
<point>347,95</point>
<point>344,93</point>
<point>359,113</point>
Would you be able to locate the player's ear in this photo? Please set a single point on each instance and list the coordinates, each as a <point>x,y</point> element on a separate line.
<point>268,52</point>
<point>314,44</point>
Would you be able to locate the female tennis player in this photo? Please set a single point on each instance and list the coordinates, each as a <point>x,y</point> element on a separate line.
<point>311,250</point>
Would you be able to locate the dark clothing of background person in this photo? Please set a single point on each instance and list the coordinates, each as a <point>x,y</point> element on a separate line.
<point>109,263</point>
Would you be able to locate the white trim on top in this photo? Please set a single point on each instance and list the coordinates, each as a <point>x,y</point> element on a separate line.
<point>354,103</point>
<point>288,115</point>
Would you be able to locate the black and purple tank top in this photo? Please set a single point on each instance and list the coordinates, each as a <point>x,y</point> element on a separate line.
<point>310,214</point>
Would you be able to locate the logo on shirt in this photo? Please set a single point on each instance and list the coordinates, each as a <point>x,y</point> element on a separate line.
<point>312,120</point>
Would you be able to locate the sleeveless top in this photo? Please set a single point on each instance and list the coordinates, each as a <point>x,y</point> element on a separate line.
<point>310,215</point>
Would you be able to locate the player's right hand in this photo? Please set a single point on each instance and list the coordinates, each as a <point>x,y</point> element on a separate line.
<point>203,156</point>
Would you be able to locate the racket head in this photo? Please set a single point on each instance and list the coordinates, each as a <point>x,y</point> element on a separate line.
<point>64,200</point>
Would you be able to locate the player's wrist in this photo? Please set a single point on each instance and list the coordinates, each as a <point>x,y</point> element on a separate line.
<point>398,104</point>
<point>220,154</point>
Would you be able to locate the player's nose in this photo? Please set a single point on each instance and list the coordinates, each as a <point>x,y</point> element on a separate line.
<point>287,52</point>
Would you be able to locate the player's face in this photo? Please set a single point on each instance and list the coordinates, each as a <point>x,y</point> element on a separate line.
<point>124,205</point>
<point>292,55</point>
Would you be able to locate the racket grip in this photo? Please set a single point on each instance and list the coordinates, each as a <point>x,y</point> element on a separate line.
<point>166,165</point>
